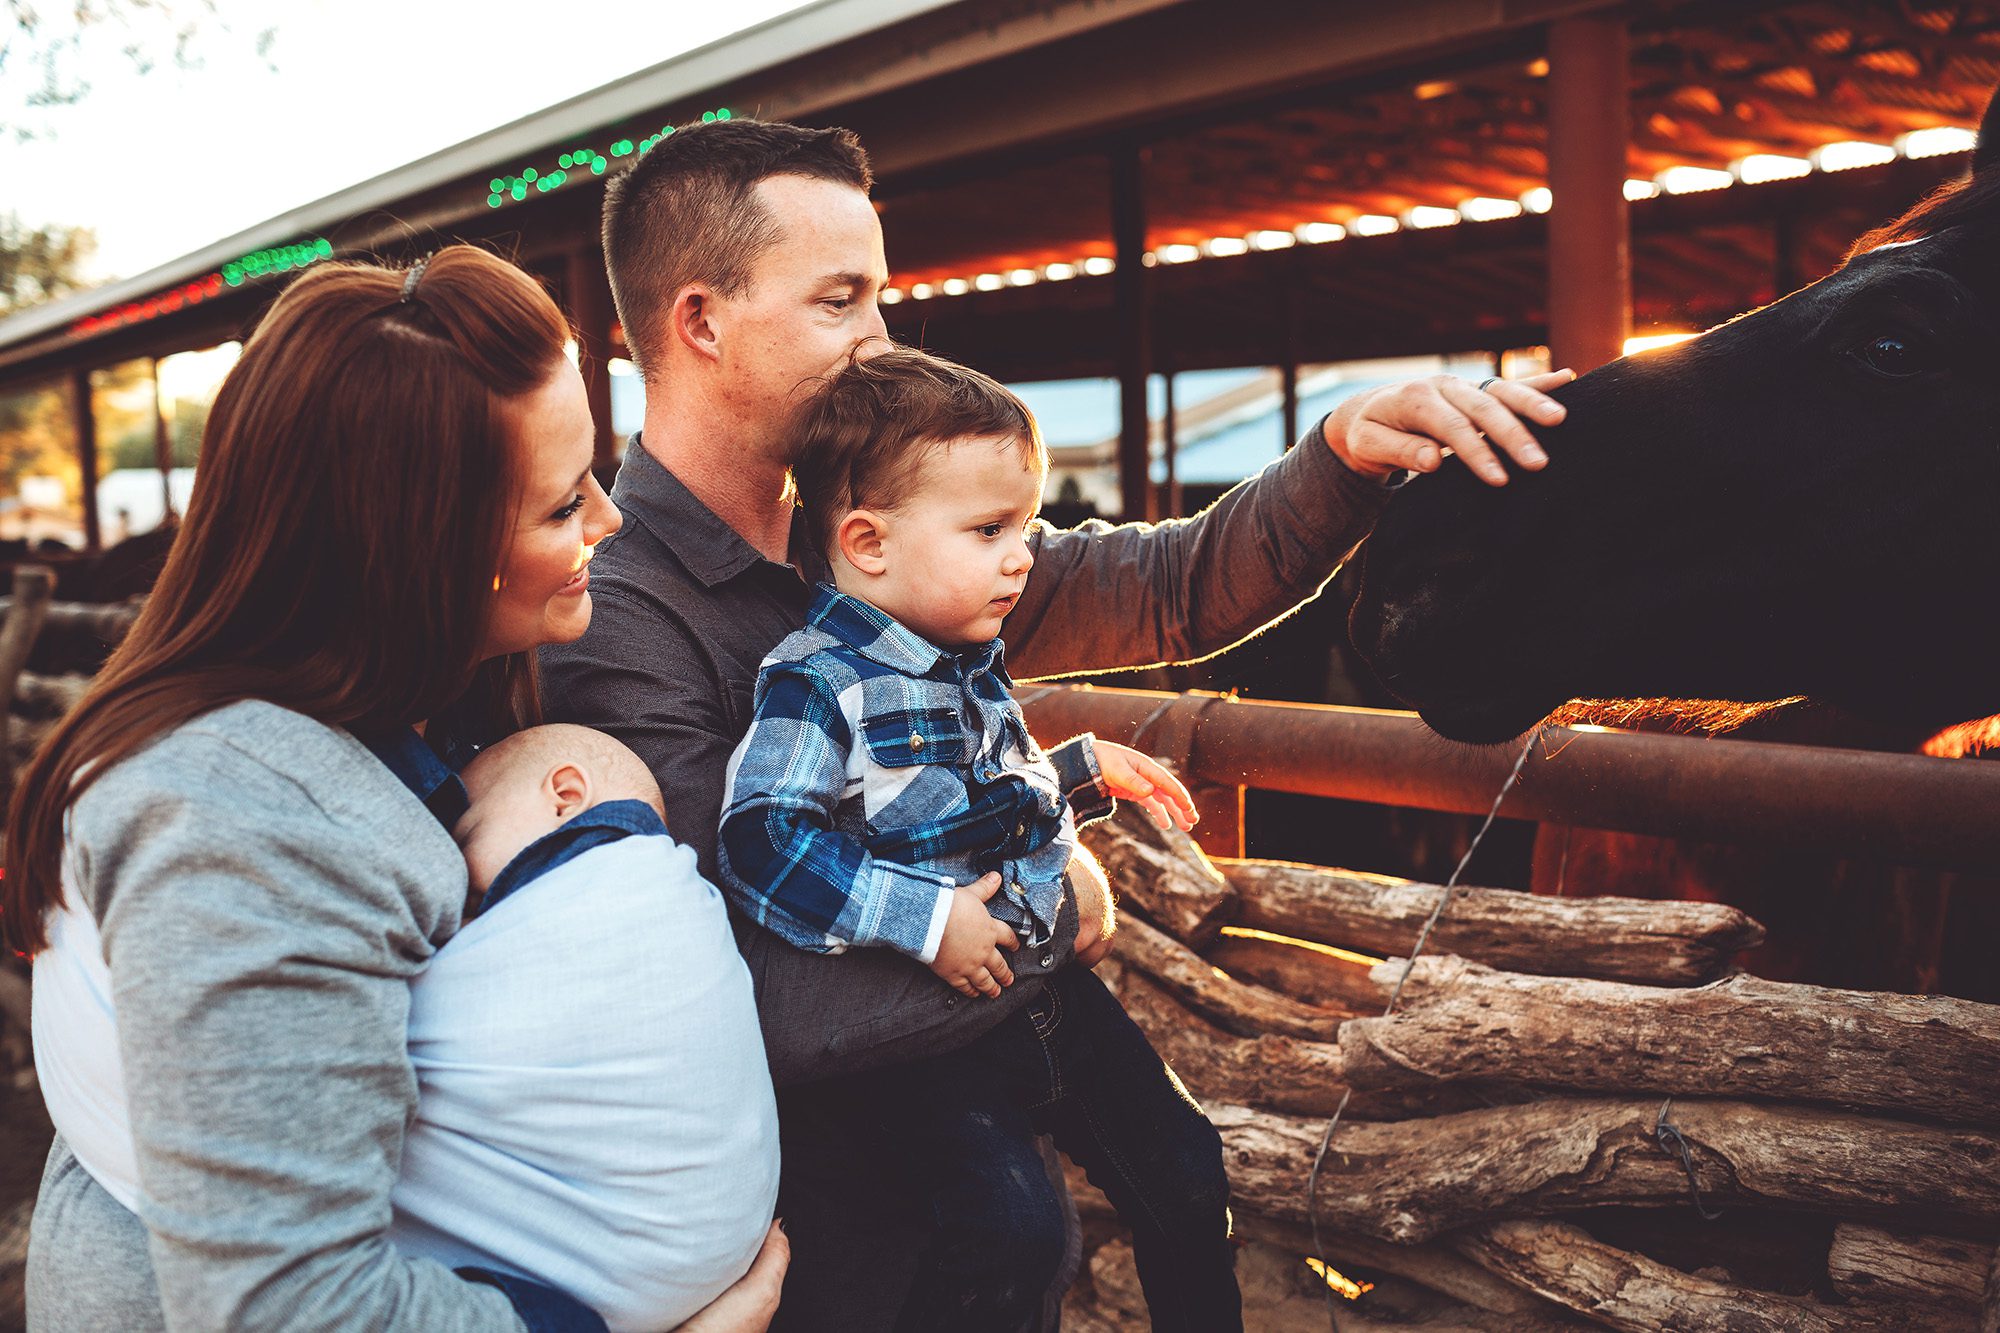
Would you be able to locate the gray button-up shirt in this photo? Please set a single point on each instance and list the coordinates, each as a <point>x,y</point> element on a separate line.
<point>686,609</point>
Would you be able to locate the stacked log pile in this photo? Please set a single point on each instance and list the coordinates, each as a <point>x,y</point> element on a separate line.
<point>1567,1090</point>
<point>65,642</point>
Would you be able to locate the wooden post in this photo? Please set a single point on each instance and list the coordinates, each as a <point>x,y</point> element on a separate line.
<point>1288,352</point>
<point>1133,318</point>
<point>86,455</point>
<point>590,309</point>
<point>1170,446</point>
<point>34,585</point>
<point>1590,264</point>
<point>163,447</point>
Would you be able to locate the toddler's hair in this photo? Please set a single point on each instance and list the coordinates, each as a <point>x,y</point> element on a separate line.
<point>530,754</point>
<point>865,436</point>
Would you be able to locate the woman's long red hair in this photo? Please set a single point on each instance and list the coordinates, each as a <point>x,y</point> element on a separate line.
<point>355,495</point>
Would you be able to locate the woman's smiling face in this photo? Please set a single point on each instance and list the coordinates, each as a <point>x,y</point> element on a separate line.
<point>542,589</point>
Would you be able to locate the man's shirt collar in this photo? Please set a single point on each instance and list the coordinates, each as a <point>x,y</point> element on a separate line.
<point>600,824</point>
<point>706,546</point>
<point>881,638</point>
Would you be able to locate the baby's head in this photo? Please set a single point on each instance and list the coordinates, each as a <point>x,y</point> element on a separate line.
<point>532,783</point>
<point>919,479</point>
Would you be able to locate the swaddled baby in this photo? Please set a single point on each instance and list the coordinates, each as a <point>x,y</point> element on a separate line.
<point>594,1108</point>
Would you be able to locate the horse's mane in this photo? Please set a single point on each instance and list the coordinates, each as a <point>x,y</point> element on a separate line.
<point>1974,196</point>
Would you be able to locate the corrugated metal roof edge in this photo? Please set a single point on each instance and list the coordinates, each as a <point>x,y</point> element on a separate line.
<point>770,43</point>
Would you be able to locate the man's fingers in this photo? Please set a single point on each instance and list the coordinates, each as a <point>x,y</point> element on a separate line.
<point>1548,379</point>
<point>983,982</point>
<point>986,885</point>
<point>1500,409</point>
<point>1005,937</point>
<point>1001,972</point>
<point>963,987</point>
<point>1395,448</point>
<point>1464,417</point>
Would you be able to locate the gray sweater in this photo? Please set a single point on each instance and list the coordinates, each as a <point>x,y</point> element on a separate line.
<point>265,889</point>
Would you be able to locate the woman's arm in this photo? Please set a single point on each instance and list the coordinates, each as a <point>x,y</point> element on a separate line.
<point>260,951</point>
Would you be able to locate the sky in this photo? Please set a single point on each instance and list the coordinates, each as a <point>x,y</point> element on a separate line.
<point>162,163</point>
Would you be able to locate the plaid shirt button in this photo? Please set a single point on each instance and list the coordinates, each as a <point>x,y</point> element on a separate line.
<point>916,741</point>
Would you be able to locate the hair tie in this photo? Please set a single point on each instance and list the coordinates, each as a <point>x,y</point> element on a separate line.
<point>415,274</point>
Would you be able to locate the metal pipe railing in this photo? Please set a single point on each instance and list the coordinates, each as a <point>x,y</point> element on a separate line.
<point>1905,810</point>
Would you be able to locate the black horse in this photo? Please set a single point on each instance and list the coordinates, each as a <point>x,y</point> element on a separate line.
<point>1803,501</point>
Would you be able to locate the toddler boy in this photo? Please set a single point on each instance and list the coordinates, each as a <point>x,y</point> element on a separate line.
<point>594,1112</point>
<point>888,794</point>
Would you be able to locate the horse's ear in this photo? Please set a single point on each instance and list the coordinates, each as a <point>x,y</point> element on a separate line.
<point>1986,157</point>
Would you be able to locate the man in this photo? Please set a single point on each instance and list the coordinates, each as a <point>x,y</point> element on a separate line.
<point>746,262</point>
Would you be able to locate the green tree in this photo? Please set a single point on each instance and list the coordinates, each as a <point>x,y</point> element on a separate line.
<point>37,423</point>
<point>39,264</point>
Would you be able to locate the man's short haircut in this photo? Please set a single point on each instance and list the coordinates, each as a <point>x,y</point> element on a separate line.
<point>867,433</point>
<point>687,211</point>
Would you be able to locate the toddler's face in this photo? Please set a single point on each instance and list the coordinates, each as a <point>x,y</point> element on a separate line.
<point>956,551</point>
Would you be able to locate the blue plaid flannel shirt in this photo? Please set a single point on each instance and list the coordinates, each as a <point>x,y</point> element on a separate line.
<point>881,772</point>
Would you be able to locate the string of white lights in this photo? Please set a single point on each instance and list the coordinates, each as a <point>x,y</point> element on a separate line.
<point>1755,169</point>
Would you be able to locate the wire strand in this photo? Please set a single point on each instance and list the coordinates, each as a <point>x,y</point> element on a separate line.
<point>1409,965</point>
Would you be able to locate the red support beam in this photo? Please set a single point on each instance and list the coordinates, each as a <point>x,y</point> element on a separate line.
<point>1590,235</point>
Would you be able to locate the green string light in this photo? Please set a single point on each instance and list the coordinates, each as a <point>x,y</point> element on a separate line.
<point>501,189</point>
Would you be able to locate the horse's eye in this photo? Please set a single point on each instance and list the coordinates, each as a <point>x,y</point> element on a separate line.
<point>1893,355</point>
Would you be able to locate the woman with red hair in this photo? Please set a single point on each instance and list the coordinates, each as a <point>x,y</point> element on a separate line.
<point>395,507</point>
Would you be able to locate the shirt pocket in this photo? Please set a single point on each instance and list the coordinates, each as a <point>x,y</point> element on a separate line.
<point>1024,741</point>
<point>910,736</point>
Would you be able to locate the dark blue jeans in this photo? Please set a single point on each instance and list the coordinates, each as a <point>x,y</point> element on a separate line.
<point>1072,1065</point>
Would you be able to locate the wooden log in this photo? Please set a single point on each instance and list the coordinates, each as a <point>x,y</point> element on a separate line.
<point>1619,1289</point>
<point>1315,973</point>
<point>104,621</point>
<point>1407,1181</point>
<point>1436,1265</point>
<point>34,585</point>
<point>1280,1072</point>
<point>78,636</point>
<point>1248,1011</point>
<point>47,697</point>
<point>1917,1055</point>
<point>1163,874</point>
<point>1931,1272</point>
<point>1283,1073</point>
<point>1623,939</point>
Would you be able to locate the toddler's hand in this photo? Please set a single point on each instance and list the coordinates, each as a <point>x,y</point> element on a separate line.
<point>969,954</point>
<point>1131,776</point>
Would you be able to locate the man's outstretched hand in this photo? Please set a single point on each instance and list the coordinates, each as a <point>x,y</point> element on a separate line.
<point>1411,425</point>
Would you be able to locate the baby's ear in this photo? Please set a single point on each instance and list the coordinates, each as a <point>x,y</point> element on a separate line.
<point>569,786</point>
<point>860,539</point>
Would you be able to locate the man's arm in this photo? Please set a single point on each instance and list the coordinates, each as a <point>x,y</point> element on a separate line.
<point>1189,588</point>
